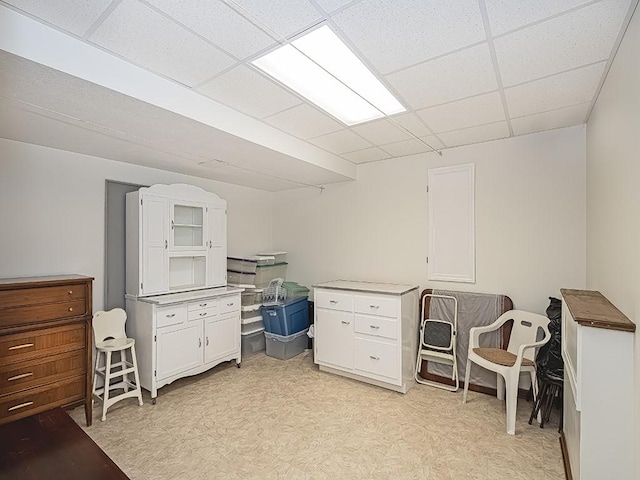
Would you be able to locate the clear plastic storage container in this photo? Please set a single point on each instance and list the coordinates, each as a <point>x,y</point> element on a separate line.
<point>284,348</point>
<point>251,343</point>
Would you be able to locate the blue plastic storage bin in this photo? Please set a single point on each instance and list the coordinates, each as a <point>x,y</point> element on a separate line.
<point>286,319</point>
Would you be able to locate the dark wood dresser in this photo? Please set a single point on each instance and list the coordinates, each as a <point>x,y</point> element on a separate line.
<point>45,345</point>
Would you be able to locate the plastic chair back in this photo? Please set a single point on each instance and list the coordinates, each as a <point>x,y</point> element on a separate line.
<point>109,324</point>
<point>526,328</point>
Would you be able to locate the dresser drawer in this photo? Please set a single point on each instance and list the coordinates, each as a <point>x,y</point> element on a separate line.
<point>333,300</point>
<point>230,304</point>
<point>378,326</point>
<point>43,342</point>
<point>39,313</point>
<point>376,305</point>
<point>32,373</point>
<point>377,358</point>
<point>203,312</point>
<point>171,315</point>
<point>38,295</point>
<point>28,402</point>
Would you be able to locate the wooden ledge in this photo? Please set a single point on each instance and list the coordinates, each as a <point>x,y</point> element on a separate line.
<point>592,309</point>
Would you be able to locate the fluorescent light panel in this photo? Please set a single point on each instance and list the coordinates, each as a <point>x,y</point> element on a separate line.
<point>306,73</point>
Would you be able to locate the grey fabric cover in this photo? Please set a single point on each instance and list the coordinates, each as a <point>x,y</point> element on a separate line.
<point>474,310</point>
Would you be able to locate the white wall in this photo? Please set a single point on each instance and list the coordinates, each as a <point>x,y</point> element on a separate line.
<point>530,220</point>
<point>52,211</point>
<point>613,191</point>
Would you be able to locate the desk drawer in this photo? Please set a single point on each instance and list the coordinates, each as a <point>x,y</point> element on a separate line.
<point>27,402</point>
<point>334,300</point>
<point>44,342</point>
<point>22,297</point>
<point>377,305</point>
<point>32,373</point>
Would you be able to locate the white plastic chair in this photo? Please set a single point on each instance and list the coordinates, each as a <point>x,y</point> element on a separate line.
<point>110,337</point>
<point>508,364</point>
<point>438,344</point>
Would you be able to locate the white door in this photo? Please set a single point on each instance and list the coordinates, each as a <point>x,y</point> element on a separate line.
<point>217,243</point>
<point>334,338</point>
<point>221,337</point>
<point>179,349</point>
<point>155,256</point>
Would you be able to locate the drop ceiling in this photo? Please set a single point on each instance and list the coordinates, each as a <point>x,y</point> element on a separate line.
<point>169,84</point>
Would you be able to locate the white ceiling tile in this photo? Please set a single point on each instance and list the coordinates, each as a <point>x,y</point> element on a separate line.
<point>506,15</point>
<point>411,147</point>
<point>381,131</point>
<point>246,90</point>
<point>143,36</point>
<point>571,40</point>
<point>458,75</point>
<point>393,34</point>
<point>279,17</point>
<point>304,122</point>
<point>332,5</point>
<point>563,117</point>
<point>367,155</point>
<point>75,16</point>
<point>564,89</point>
<point>219,24</point>
<point>412,122</point>
<point>465,113</point>
<point>341,142</point>
<point>482,133</point>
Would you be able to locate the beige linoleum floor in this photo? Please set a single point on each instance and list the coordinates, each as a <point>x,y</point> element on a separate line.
<point>274,419</point>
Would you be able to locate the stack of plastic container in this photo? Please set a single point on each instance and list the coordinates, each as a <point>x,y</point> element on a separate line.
<point>254,274</point>
<point>286,323</point>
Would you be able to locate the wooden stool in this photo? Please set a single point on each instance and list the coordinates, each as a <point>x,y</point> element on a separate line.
<point>550,388</point>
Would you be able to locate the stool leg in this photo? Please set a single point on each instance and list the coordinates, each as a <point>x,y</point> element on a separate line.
<point>107,379</point>
<point>125,378</point>
<point>135,374</point>
<point>95,375</point>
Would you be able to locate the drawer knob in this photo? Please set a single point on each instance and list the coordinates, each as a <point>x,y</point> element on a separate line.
<point>230,304</point>
<point>18,407</point>
<point>171,315</point>
<point>18,347</point>
<point>374,358</point>
<point>345,322</point>
<point>18,377</point>
<point>376,327</point>
<point>333,301</point>
<point>203,304</point>
<point>374,306</point>
<point>71,309</point>
<point>204,314</point>
<point>70,292</point>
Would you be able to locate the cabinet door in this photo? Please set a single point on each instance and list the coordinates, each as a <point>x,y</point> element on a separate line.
<point>217,257</point>
<point>334,338</point>
<point>179,349</point>
<point>188,226</point>
<point>155,258</point>
<point>222,337</point>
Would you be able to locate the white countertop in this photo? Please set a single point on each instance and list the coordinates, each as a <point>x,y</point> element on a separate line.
<point>371,287</point>
<point>187,296</point>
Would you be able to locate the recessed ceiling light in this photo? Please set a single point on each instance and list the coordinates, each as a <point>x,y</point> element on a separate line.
<point>321,68</point>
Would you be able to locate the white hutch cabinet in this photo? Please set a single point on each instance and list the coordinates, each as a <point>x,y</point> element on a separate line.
<point>367,331</point>
<point>183,317</point>
<point>176,240</point>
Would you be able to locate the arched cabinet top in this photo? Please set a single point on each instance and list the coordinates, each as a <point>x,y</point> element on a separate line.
<point>183,191</point>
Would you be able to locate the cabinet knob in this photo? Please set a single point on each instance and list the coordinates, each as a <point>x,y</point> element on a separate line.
<point>207,341</point>
<point>203,304</point>
<point>374,306</point>
<point>376,327</point>
<point>333,301</point>
<point>345,322</point>
<point>170,315</point>
<point>230,304</point>
<point>71,309</point>
<point>70,292</point>
<point>199,342</point>
<point>374,358</point>
<point>203,314</point>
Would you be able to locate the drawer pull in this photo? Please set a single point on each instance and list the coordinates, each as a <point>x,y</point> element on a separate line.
<point>18,377</point>
<point>71,309</point>
<point>170,315</point>
<point>230,304</point>
<point>374,358</point>
<point>203,304</point>
<point>207,341</point>
<point>333,301</point>
<point>22,405</point>
<point>18,347</point>
<point>70,292</point>
<point>204,314</point>
<point>345,322</point>
<point>199,342</point>
<point>375,326</point>
<point>374,306</point>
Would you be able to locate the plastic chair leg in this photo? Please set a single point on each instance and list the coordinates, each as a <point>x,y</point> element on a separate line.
<point>511,382</point>
<point>467,375</point>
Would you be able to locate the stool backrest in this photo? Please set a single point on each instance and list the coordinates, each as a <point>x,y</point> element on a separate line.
<point>109,324</point>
